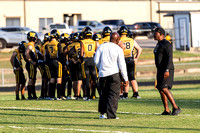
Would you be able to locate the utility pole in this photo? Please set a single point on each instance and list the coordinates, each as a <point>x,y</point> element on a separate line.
<point>25,13</point>
<point>150,10</point>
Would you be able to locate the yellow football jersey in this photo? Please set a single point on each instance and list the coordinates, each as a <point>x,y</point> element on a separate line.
<point>70,46</point>
<point>103,40</point>
<point>40,47</point>
<point>53,49</point>
<point>62,45</point>
<point>88,47</point>
<point>33,47</point>
<point>43,48</point>
<point>18,58</point>
<point>77,47</point>
<point>129,46</point>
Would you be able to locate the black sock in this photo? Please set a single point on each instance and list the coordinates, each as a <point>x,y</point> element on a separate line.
<point>69,88</point>
<point>29,91</point>
<point>135,94</point>
<point>52,87</point>
<point>58,90</point>
<point>23,97</point>
<point>34,92</point>
<point>125,94</point>
<point>17,97</point>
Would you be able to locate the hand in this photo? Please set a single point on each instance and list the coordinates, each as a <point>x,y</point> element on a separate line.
<point>65,68</point>
<point>135,60</point>
<point>34,63</point>
<point>166,75</point>
<point>125,83</point>
<point>18,68</point>
<point>73,60</point>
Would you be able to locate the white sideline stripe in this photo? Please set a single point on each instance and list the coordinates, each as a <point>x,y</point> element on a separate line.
<point>160,100</point>
<point>93,111</point>
<point>68,129</point>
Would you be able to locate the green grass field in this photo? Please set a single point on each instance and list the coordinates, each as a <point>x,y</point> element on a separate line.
<point>81,116</point>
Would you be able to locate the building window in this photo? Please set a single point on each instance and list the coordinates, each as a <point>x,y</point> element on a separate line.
<point>71,19</point>
<point>12,21</point>
<point>44,22</point>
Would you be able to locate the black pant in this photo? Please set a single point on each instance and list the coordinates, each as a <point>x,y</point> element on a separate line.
<point>89,69</point>
<point>109,95</point>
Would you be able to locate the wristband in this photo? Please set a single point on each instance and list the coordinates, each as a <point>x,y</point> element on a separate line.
<point>167,70</point>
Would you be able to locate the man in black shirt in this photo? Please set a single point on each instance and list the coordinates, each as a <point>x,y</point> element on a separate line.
<point>165,71</point>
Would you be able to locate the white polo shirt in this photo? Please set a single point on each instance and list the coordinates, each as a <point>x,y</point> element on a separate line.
<point>109,59</point>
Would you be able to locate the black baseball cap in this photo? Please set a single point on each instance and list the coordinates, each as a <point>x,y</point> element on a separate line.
<point>160,30</point>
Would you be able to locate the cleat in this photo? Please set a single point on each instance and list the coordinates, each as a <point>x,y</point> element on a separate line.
<point>63,98</point>
<point>176,111</point>
<point>166,113</point>
<point>102,117</point>
<point>84,98</point>
<point>88,99</point>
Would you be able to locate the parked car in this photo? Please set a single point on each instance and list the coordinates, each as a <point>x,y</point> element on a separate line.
<point>10,36</point>
<point>116,23</point>
<point>94,25</point>
<point>143,28</point>
<point>62,27</point>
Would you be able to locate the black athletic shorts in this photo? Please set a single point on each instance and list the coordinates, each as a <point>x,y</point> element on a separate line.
<point>164,83</point>
<point>32,70</point>
<point>131,69</point>
<point>19,76</point>
<point>75,70</point>
<point>88,68</point>
<point>55,68</point>
<point>43,70</point>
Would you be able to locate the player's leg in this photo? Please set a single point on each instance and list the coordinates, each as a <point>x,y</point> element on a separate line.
<point>17,75</point>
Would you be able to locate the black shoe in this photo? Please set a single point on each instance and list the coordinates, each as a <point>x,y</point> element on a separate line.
<point>136,95</point>
<point>23,97</point>
<point>176,111</point>
<point>17,98</point>
<point>30,98</point>
<point>121,97</point>
<point>166,113</point>
<point>35,97</point>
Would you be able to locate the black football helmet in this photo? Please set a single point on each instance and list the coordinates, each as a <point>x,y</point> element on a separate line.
<point>22,46</point>
<point>106,31</point>
<point>64,36</point>
<point>75,37</point>
<point>55,34</point>
<point>32,36</point>
<point>96,37</point>
<point>123,30</point>
<point>46,37</point>
<point>80,36</point>
<point>130,34</point>
<point>87,32</point>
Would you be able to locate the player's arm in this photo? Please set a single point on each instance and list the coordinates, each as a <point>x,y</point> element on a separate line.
<point>28,55</point>
<point>96,45</point>
<point>139,51</point>
<point>12,60</point>
<point>82,51</point>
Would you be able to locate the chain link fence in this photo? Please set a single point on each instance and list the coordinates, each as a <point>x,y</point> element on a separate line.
<point>7,77</point>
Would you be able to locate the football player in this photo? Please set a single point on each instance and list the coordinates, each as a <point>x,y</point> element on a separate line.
<point>16,62</point>
<point>88,48</point>
<point>55,64</point>
<point>131,60</point>
<point>106,35</point>
<point>31,64</point>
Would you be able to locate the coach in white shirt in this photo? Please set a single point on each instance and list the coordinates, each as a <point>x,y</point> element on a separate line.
<point>109,59</point>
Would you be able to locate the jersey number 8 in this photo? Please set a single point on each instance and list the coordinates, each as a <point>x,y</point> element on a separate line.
<point>128,45</point>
